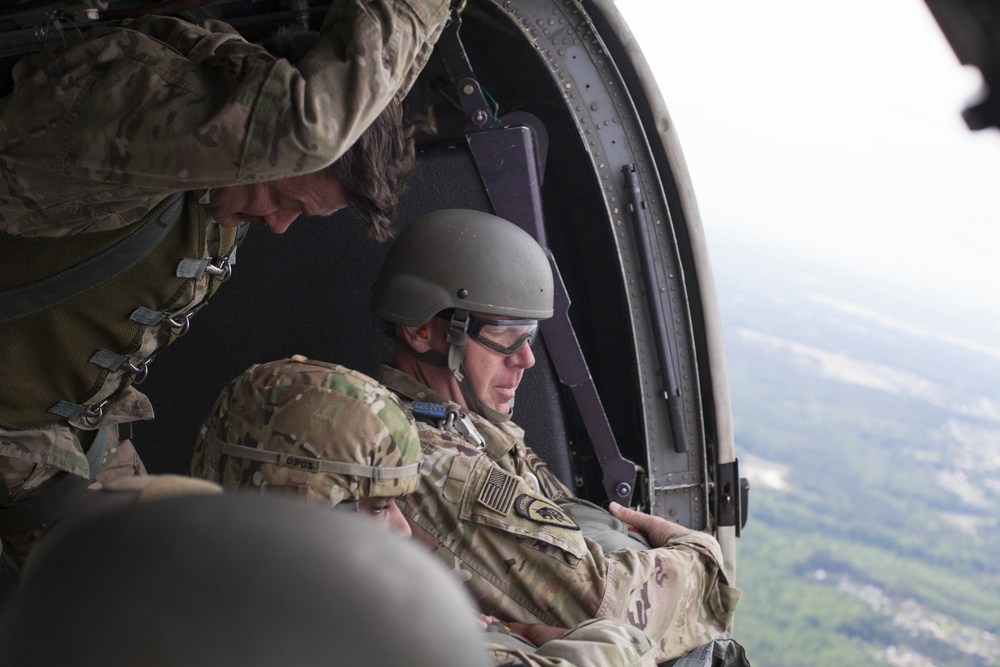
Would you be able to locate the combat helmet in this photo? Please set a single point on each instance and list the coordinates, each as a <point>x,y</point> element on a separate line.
<point>235,579</point>
<point>310,428</point>
<point>462,261</point>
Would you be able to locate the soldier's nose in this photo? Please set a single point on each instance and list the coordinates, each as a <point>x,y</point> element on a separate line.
<point>523,357</point>
<point>279,221</point>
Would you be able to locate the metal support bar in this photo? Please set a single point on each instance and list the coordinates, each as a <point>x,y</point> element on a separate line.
<point>668,376</point>
<point>470,95</point>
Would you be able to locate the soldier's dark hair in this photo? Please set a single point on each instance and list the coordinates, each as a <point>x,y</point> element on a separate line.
<point>373,171</point>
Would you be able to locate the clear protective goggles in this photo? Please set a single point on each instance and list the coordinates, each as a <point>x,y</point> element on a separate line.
<point>505,337</point>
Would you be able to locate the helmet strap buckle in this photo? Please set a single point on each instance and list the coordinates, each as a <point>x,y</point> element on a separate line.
<point>457,339</point>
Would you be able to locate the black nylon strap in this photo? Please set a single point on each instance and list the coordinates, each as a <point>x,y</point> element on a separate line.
<point>92,272</point>
<point>510,164</point>
<point>41,508</point>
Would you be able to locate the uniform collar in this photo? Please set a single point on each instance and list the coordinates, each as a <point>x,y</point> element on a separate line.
<point>500,438</point>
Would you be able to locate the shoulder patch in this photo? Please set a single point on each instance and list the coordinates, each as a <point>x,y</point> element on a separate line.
<point>541,511</point>
<point>498,492</point>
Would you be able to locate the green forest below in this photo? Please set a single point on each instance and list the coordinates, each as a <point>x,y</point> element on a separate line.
<point>879,543</point>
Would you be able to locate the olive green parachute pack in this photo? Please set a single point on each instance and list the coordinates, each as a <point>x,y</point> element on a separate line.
<point>81,304</point>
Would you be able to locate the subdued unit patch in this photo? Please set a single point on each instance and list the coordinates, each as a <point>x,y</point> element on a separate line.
<point>541,511</point>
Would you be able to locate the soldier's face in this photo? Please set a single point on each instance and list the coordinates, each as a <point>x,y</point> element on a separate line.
<point>494,377</point>
<point>276,204</point>
<point>386,512</point>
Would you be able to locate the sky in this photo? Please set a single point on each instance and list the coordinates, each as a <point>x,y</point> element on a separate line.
<point>832,130</point>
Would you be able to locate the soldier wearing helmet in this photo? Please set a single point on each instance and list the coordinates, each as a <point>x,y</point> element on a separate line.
<point>461,293</point>
<point>134,159</point>
<point>314,430</point>
<point>472,277</point>
<point>336,437</point>
<point>234,579</point>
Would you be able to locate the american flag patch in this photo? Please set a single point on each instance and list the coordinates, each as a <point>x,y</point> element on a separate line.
<point>498,493</point>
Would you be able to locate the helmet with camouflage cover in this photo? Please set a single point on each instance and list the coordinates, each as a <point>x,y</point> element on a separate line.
<point>310,428</point>
<point>463,261</point>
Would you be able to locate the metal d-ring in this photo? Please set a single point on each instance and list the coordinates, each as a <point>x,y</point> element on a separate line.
<point>139,371</point>
<point>223,271</point>
<point>180,327</point>
<point>92,415</point>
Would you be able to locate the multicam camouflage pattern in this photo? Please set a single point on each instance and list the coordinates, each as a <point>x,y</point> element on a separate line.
<point>95,134</point>
<point>26,473</point>
<point>308,412</point>
<point>597,643</point>
<point>524,559</point>
<point>504,440</point>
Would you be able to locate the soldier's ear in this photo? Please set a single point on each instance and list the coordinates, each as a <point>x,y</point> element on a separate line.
<point>417,338</point>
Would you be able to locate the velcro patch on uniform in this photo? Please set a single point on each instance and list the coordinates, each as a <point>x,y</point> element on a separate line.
<point>498,493</point>
<point>542,511</point>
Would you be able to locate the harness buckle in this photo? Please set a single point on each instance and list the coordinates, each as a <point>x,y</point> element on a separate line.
<point>222,270</point>
<point>464,427</point>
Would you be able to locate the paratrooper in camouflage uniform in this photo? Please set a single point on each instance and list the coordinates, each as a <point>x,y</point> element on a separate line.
<point>125,130</point>
<point>462,291</point>
<point>332,436</point>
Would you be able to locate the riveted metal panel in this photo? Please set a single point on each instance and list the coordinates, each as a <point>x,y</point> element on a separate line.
<point>593,90</point>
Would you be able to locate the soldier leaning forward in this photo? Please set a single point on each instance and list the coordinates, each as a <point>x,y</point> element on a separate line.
<point>131,159</point>
<point>336,437</point>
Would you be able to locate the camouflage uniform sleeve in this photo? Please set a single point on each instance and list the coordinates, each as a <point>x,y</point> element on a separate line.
<point>676,592</point>
<point>596,643</point>
<point>369,52</point>
<point>522,557</point>
<point>162,104</point>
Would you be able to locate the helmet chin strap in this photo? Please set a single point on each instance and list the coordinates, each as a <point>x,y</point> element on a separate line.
<point>457,340</point>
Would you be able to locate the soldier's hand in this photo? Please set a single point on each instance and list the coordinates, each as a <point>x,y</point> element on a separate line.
<point>657,530</point>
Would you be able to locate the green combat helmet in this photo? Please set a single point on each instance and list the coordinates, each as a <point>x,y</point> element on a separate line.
<point>464,261</point>
<point>317,430</point>
<point>235,579</point>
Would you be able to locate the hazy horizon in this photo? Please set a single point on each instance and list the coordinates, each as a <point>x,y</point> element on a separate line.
<point>833,132</point>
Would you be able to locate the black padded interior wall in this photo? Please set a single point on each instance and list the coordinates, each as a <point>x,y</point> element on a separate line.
<point>306,292</point>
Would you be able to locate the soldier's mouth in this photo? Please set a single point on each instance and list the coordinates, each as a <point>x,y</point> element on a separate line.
<point>505,393</point>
